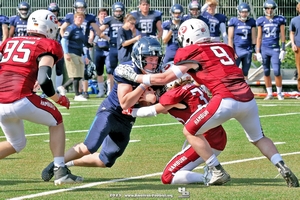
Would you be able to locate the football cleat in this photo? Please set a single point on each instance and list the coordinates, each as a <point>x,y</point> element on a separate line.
<point>63,176</point>
<point>287,174</point>
<point>48,172</point>
<point>219,175</point>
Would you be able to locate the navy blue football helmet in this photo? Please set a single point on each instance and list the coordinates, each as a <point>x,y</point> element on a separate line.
<point>53,7</point>
<point>80,4</point>
<point>194,5</point>
<point>146,46</point>
<point>270,4</point>
<point>176,8</point>
<point>24,10</point>
<point>243,7</point>
<point>118,6</point>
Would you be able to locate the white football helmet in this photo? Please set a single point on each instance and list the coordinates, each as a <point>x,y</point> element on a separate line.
<point>43,22</point>
<point>193,31</point>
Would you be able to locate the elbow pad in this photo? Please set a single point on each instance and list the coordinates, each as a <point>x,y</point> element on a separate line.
<point>147,111</point>
<point>44,80</point>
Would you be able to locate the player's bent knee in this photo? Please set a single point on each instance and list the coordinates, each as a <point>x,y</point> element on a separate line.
<point>19,145</point>
<point>166,177</point>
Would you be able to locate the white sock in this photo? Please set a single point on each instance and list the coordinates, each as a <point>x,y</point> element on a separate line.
<point>212,161</point>
<point>101,87</point>
<point>187,177</point>
<point>59,161</point>
<point>279,90</point>
<point>70,163</point>
<point>269,91</point>
<point>276,158</point>
<point>59,80</point>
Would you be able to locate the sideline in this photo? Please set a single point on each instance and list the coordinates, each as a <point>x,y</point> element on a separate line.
<point>131,178</point>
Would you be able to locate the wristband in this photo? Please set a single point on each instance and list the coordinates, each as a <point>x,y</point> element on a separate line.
<point>142,87</point>
<point>146,79</point>
<point>177,71</point>
<point>283,46</point>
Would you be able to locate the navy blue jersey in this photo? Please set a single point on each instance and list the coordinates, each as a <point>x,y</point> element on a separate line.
<point>76,39</point>
<point>172,43</point>
<point>19,24</point>
<point>3,20</point>
<point>146,25</point>
<point>89,18</point>
<point>242,31</point>
<point>186,17</point>
<point>101,42</point>
<point>114,25</point>
<point>124,53</point>
<point>61,21</point>
<point>113,95</point>
<point>295,27</point>
<point>214,22</point>
<point>271,30</point>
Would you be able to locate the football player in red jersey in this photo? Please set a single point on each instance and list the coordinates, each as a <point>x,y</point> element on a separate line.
<point>213,65</point>
<point>182,98</point>
<point>25,60</point>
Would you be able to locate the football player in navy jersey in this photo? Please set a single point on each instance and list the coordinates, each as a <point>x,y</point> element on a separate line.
<point>195,12</point>
<point>148,22</point>
<point>114,23</point>
<point>4,22</point>
<point>101,57</point>
<point>18,23</point>
<point>212,64</point>
<point>170,32</point>
<point>126,38</point>
<point>59,67</point>
<point>242,37</point>
<point>111,128</point>
<point>217,21</point>
<point>271,29</point>
<point>90,20</point>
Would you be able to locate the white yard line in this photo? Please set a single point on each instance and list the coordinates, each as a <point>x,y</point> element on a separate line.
<point>130,178</point>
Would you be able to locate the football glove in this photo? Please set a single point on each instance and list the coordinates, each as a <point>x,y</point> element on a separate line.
<point>259,57</point>
<point>282,55</point>
<point>126,71</point>
<point>63,101</point>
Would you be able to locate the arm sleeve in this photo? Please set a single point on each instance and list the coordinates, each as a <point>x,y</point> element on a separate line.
<point>64,45</point>
<point>224,33</point>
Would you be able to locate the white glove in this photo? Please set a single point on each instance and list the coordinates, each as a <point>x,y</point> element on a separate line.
<point>282,55</point>
<point>258,57</point>
<point>126,71</point>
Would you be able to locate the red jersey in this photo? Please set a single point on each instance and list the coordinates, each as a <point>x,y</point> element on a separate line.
<point>19,65</point>
<point>217,70</point>
<point>193,97</point>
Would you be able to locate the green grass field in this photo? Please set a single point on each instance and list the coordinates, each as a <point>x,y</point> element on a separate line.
<point>154,142</point>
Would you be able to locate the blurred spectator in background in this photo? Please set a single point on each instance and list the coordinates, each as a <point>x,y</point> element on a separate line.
<point>242,37</point>
<point>126,38</point>
<point>271,29</point>
<point>148,22</point>
<point>295,40</point>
